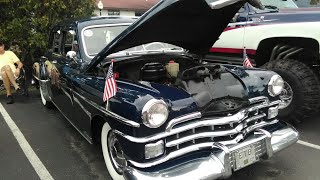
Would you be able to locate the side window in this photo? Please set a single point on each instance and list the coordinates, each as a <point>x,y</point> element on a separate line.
<point>69,38</point>
<point>56,43</point>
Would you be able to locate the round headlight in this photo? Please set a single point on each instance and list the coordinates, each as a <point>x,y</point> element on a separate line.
<point>275,85</point>
<point>154,113</point>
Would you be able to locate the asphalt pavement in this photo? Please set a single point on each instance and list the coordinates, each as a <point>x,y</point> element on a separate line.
<point>65,154</point>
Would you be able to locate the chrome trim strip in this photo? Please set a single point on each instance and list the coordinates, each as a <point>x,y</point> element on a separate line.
<point>222,3</point>
<point>264,105</point>
<point>188,117</point>
<point>259,99</point>
<point>204,135</point>
<point>259,125</point>
<point>82,107</point>
<point>254,118</point>
<point>109,113</point>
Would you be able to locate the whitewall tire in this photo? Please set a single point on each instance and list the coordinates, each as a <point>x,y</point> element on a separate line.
<point>107,144</point>
<point>43,100</point>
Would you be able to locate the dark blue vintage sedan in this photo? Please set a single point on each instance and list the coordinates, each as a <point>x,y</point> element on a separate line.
<point>174,116</point>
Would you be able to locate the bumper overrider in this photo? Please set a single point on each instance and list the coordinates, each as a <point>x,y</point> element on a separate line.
<point>221,163</point>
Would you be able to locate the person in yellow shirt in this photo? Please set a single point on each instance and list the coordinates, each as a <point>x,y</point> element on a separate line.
<point>9,71</point>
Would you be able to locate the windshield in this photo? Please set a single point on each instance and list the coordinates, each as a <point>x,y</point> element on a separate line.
<point>96,38</point>
<point>280,4</point>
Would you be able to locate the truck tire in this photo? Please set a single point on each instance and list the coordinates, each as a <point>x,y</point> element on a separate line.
<point>304,85</point>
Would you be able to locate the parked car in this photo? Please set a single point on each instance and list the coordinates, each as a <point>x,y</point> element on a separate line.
<point>282,38</point>
<point>174,116</point>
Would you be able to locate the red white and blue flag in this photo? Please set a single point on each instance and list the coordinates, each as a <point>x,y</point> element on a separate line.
<point>110,87</point>
<point>246,61</point>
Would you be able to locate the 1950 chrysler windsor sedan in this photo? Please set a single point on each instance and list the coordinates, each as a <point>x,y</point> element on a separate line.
<point>174,116</point>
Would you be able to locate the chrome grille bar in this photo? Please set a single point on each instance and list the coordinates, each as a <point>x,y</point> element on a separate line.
<point>238,129</point>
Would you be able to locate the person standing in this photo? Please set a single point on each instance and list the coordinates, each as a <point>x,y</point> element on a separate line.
<point>9,72</point>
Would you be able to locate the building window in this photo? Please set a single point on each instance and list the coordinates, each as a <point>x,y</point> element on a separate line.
<point>138,13</point>
<point>113,12</point>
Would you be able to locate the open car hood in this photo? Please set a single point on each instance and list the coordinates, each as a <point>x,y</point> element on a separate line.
<point>191,24</point>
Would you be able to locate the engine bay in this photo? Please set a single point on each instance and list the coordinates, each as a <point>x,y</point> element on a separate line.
<point>211,85</point>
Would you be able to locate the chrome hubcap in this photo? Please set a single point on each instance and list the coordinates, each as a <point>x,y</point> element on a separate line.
<point>116,153</point>
<point>286,96</point>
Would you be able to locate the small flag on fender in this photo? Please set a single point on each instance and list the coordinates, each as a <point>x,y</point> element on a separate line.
<point>110,87</point>
<point>246,61</point>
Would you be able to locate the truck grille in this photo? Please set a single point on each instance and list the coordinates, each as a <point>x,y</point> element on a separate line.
<point>225,130</point>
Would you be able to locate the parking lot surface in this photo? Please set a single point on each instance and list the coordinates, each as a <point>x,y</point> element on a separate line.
<point>65,154</point>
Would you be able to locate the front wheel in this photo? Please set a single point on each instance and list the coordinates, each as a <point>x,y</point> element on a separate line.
<point>112,153</point>
<point>300,96</point>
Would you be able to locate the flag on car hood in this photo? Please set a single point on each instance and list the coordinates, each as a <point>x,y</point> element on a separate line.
<point>110,87</point>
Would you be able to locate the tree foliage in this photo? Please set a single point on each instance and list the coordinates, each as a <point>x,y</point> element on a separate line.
<point>28,22</point>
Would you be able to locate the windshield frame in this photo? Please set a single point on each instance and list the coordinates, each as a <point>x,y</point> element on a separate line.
<point>98,26</point>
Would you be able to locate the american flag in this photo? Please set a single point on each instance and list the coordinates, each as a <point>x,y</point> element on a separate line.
<point>246,60</point>
<point>110,87</point>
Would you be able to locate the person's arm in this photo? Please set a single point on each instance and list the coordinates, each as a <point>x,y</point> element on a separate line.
<point>18,62</point>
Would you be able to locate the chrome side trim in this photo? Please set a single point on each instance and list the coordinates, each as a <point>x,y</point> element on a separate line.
<point>82,107</point>
<point>109,113</point>
<point>188,117</point>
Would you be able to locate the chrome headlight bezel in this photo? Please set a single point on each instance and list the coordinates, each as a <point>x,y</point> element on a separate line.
<point>147,114</point>
<point>276,81</point>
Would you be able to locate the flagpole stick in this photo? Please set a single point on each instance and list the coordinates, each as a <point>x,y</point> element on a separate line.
<point>107,105</point>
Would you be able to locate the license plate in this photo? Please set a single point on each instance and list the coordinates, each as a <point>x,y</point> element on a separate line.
<point>244,157</point>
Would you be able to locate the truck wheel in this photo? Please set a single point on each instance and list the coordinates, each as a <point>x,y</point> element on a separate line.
<point>300,96</point>
<point>112,153</point>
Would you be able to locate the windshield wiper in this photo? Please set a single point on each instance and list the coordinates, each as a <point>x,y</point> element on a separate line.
<point>271,7</point>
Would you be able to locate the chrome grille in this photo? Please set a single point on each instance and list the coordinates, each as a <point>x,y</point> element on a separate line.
<point>225,130</point>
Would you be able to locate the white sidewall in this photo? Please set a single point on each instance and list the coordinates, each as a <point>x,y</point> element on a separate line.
<point>104,144</point>
<point>44,101</point>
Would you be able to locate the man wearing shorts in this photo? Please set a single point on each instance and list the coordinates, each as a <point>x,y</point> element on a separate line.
<point>9,71</point>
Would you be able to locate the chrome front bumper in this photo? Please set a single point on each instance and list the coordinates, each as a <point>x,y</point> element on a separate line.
<point>220,163</point>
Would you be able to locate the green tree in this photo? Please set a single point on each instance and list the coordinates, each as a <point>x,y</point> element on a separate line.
<point>28,22</point>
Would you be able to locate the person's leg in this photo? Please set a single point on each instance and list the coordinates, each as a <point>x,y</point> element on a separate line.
<point>6,82</point>
<point>10,75</point>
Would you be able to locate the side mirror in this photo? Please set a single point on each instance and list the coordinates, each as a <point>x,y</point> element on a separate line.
<point>256,3</point>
